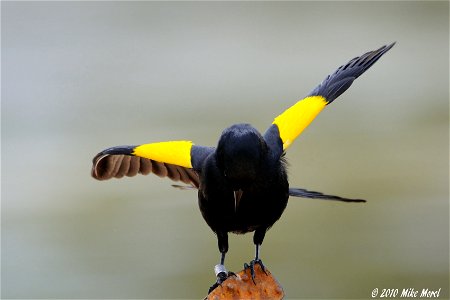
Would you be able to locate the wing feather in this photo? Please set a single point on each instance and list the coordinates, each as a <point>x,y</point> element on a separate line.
<point>159,169</point>
<point>144,166</point>
<point>338,82</point>
<point>172,172</point>
<point>124,166</point>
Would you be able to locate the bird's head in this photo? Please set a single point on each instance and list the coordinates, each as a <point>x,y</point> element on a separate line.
<point>240,153</point>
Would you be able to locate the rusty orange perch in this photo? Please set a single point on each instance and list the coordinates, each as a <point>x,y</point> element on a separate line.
<point>241,286</point>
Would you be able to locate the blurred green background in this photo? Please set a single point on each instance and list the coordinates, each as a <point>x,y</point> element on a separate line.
<point>78,77</point>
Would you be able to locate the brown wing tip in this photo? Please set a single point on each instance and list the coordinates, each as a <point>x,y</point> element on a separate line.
<point>102,166</point>
<point>106,166</point>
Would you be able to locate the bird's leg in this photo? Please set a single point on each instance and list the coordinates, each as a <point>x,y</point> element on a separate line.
<point>220,270</point>
<point>252,264</point>
<point>258,237</point>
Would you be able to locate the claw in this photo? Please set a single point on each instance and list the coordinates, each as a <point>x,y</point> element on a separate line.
<point>213,287</point>
<point>231,274</point>
<point>252,268</point>
<point>222,275</point>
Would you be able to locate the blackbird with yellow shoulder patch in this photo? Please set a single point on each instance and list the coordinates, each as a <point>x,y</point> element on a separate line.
<point>242,183</point>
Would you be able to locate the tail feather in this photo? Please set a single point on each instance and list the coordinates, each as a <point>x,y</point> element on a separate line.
<point>297,192</point>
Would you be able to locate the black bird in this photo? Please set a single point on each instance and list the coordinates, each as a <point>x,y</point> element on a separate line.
<point>242,183</point>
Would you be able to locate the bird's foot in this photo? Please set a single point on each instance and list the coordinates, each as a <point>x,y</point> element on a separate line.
<point>251,266</point>
<point>222,275</point>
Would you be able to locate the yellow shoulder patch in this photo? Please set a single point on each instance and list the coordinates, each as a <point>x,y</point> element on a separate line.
<point>173,152</point>
<point>297,117</point>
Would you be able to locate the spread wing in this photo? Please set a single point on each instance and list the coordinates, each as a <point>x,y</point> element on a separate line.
<point>290,124</point>
<point>177,160</point>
